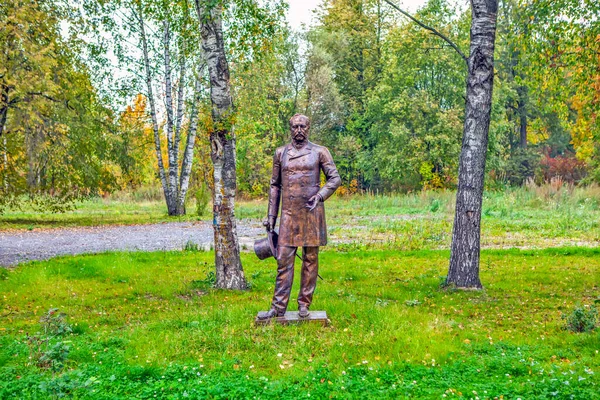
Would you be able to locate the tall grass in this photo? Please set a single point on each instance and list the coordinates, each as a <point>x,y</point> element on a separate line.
<point>139,195</point>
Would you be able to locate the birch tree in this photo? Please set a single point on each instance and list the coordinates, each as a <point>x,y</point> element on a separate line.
<point>173,174</point>
<point>229,271</point>
<point>466,235</point>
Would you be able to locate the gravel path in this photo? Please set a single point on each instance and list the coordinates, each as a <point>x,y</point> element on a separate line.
<point>21,246</point>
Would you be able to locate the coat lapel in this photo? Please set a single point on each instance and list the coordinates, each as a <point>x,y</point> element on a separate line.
<point>293,153</point>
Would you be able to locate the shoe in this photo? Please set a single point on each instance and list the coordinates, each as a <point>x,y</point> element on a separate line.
<point>303,311</point>
<point>272,313</point>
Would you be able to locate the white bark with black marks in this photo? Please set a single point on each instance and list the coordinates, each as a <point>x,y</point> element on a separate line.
<point>4,103</point>
<point>161,166</point>
<point>179,114</point>
<point>466,236</point>
<point>5,162</point>
<point>188,155</point>
<point>229,271</point>
<point>176,185</point>
<point>172,197</point>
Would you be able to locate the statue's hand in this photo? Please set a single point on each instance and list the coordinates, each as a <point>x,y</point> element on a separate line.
<point>270,223</point>
<point>313,202</point>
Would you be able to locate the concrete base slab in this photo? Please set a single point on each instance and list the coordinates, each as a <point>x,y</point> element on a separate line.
<point>291,317</point>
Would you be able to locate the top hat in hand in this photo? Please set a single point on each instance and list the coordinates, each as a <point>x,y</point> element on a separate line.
<point>267,247</point>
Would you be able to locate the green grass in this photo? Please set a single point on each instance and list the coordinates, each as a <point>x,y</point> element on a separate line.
<point>529,217</point>
<point>93,212</point>
<point>149,324</point>
<point>522,217</point>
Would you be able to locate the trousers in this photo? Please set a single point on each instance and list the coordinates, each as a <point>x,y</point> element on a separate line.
<point>285,276</point>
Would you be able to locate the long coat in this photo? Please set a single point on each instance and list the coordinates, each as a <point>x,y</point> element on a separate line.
<point>296,178</point>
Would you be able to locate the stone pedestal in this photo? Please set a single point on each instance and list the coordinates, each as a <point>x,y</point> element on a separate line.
<point>291,317</point>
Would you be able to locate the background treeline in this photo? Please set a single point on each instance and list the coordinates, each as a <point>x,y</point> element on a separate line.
<point>386,96</point>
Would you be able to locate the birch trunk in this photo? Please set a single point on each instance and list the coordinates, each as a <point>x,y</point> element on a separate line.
<point>464,259</point>
<point>188,155</point>
<point>187,161</point>
<point>5,162</point>
<point>229,271</point>
<point>180,98</point>
<point>172,187</point>
<point>3,107</point>
<point>3,118</point>
<point>157,146</point>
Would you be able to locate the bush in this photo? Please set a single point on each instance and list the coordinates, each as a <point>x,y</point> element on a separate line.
<point>202,196</point>
<point>568,168</point>
<point>523,164</point>
<point>581,319</point>
<point>45,347</point>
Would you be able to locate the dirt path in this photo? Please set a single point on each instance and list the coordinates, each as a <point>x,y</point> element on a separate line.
<point>21,246</point>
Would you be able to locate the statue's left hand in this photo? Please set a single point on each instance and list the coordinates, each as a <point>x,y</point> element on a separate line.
<point>313,202</point>
<point>270,223</point>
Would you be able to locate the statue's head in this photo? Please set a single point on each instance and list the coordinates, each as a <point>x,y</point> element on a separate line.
<point>299,127</point>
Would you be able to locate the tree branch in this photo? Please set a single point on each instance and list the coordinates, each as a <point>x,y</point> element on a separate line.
<point>47,97</point>
<point>432,30</point>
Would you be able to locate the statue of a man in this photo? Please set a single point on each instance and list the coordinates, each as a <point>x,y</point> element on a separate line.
<point>296,180</point>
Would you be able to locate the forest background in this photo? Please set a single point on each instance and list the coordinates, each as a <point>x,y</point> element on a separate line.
<point>386,96</point>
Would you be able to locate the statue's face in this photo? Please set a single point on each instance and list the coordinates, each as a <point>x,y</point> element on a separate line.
<point>300,127</point>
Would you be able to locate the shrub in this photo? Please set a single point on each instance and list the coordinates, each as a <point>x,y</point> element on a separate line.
<point>581,319</point>
<point>523,164</point>
<point>349,189</point>
<point>202,196</point>
<point>46,349</point>
<point>435,205</point>
<point>568,168</point>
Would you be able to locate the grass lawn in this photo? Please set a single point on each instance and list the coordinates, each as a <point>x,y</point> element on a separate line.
<point>149,325</point>
<point>537,217</point>
<point>92,212</point>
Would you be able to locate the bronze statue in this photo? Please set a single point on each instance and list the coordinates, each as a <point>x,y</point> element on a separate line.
<point>296,180</point>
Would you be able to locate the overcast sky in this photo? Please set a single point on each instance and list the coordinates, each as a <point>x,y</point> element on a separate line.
<point>300,11</point>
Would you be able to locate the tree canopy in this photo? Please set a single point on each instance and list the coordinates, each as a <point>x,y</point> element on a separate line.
<point>384,94</point>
